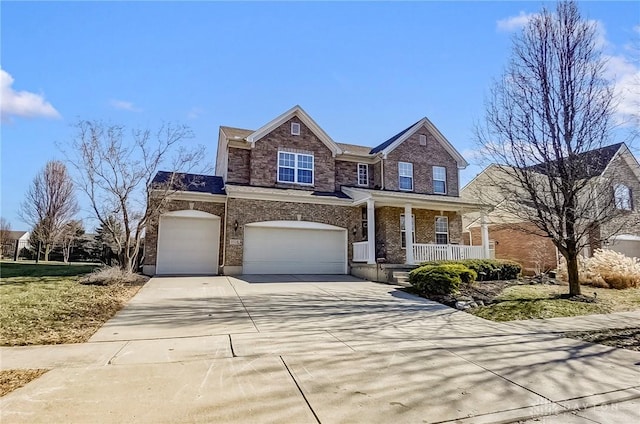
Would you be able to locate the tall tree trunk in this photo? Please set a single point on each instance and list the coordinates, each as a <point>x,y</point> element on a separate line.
<point>572,272</point>
<point>47,250</point>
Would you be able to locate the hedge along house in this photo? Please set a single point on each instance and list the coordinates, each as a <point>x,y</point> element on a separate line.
<point>287,198</point>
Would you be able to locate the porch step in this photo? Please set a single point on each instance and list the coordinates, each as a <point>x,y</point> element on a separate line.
<point>401,278</point>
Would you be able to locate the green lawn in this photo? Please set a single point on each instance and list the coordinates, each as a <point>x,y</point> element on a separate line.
<point>542,301</point>
<point>45,304</point>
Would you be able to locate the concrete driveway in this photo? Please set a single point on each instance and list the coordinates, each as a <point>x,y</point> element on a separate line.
<point>315,349</point>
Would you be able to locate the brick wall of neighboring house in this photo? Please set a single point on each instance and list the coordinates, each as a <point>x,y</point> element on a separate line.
<point>347,174</point>
<point>376,171</point>
<point>264,157</point>
<point>151,236</point>
<point>389,239</point>
<point>627,222</point>
<point>247,211</point>
<point>239,169</point>
<point>423,159</point>
<point>535,253</point>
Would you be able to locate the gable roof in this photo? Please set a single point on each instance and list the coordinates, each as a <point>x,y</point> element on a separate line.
<point>192,182</point>
<point>390,144</point>
<point>588,164</point>
<point>16,234</point>
<point>235,133</point>
<point>305,118</point>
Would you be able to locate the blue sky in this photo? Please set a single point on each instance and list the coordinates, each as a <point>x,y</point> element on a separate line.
<point>363,71</point>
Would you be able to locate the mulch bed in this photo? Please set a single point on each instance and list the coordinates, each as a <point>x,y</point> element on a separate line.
<point>624,338</point>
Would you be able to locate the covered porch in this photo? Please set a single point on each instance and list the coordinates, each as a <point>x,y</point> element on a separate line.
<point>435,228</point>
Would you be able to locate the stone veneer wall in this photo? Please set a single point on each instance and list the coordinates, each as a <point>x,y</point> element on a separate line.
<point>239,169</point>
<point>247,211</point>
<point>423,159</point>
<point>388,236</point>
<point>151,237</point>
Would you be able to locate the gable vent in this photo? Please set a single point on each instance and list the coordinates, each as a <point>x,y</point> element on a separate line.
<point>423,140</point>
<point>295,128</point>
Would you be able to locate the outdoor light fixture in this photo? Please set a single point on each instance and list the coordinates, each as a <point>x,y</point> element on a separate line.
<point>235,225</point>
<point>355,230</point>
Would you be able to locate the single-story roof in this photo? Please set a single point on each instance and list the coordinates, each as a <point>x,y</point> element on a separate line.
<point>191,182</point>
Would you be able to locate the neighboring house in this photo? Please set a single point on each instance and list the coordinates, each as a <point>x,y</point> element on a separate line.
<point>13,240</point>
<point>612,166</point>
<point>287,198</point>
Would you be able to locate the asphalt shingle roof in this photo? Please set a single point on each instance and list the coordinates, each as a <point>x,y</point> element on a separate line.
<point>192,182</point>
<point>390,141</point>
<point>587,164</point>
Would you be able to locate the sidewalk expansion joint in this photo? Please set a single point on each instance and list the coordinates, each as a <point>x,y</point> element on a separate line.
<point>300,390</point>
<point>115,355</point>
<point>233,353</point>
<point>243,305</point>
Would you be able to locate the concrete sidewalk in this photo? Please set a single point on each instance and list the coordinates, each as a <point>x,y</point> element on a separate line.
<point>316,349</point>
<point>581,323</point>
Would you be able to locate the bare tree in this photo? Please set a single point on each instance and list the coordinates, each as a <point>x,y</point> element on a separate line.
<point>552,106</point>
<point>5,230</point>
<point>49,204</point>
<point>71,232</point>
<point>116,168</point>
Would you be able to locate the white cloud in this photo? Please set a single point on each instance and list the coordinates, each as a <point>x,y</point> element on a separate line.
<point>22,103</point>
<point>626,77</point>
<point>124,105</point>
<point>194,113</point>
<point>513,23</point>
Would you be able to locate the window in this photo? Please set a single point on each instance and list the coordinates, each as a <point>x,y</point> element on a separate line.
<point>363,174</point>
<point>622,195</point>
<point>295,168</point>
<point>295,128</point>
<point>423,140</point>
<point>403,232</point>
<point>492,249</point>
<point>442,230</point>
<point>439,180</point>
<point>405,176</point>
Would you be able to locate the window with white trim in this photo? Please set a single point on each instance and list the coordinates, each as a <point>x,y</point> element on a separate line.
<point>295,128</point>
<point>295,168</point>
<point>405,176</point>
<point>403,233</point>
<point>363,174</point>
<point>622,195</point>
<point>439,180</point>
<point>442,230</point>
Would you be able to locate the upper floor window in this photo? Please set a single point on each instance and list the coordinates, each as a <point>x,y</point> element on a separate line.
<point>295,128</point>
<point>442,230</point>
<point>295,168</point>
<point>622,195</point>
<point>363,174</point>
<point>439,180</point>
<point>405,176</point>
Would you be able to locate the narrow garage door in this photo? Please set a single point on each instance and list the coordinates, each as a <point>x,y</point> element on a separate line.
<point>188,243</point>
<point>626,244</point>
<point>294,247</point>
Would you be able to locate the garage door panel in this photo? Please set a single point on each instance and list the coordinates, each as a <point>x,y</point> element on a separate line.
<point>294,251</point>
<point>188,245</point>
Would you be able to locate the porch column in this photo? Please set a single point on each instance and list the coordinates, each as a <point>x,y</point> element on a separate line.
<point>371,232</point>
<point>408,231</point>
<point>484,230</point>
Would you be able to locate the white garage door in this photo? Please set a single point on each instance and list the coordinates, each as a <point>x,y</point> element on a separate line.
<point>294,247</point>
<point>626,244</point>
<point>188,243</point>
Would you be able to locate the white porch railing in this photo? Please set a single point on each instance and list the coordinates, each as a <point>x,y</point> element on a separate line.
<point>360,251</point>
<point>439,252</point>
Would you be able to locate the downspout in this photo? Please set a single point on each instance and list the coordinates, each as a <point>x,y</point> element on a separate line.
<point>224,234</point>
<point>381,173</point>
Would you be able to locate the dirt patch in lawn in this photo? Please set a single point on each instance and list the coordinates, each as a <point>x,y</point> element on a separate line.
<point>11,380</point>
<point>624,338</point>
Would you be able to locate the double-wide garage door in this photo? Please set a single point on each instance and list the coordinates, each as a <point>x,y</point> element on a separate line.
<point>294,247</point>
<point>188,243</point>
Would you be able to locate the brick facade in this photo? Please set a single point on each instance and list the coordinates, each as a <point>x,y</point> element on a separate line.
<point>423,159</point>
<point>151,235</point>
<point>347,174</point>
<point>534,252</point>
<point>264,158</point>
<point>239,169</point>
<point>389,238</point>
<point>246,211</point>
